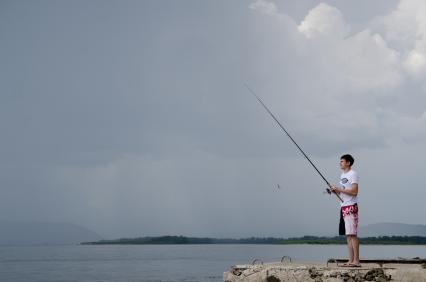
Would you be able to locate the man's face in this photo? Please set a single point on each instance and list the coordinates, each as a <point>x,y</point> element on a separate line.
<point>344,164</point>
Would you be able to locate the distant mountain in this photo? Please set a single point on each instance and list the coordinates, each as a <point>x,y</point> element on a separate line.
<point>42,233</point>
<point>392,229</point>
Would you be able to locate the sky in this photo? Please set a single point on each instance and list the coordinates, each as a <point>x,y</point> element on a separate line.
<point>131,118</point>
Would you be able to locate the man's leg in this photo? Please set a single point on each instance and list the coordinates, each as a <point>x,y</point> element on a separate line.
<point>350,248</point>
<point>355,246</point>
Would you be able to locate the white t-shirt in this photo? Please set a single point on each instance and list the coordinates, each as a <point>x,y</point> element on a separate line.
<point>346,181</point>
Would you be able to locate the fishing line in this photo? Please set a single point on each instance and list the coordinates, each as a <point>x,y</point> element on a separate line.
<point>291,138</point>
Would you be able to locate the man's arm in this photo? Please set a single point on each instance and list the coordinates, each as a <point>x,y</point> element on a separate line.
<point>353,191</point>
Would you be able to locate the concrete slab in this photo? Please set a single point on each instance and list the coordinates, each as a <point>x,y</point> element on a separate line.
<point>320,272</point>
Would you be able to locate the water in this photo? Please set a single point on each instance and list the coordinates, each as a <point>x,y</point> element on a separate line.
<point>155,263</point>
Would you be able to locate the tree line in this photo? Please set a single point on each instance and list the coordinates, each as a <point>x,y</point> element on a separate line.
<point>161,240</point>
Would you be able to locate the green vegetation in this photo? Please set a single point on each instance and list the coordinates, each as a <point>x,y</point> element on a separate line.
<point>162,240</point>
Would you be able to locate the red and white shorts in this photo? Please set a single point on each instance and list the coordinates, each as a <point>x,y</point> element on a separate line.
<point>350,216</point>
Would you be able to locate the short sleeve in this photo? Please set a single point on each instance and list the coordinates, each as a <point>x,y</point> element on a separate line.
<point>354,178</point>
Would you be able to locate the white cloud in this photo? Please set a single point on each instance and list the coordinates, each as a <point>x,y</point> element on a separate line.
<point>265,7</point>
<point>346,82</point>
<point>415,63</point>
<point>405,25</point>
<point>360,62</point>
<point>365,62</point>
<point>324,20</point>
<point>405,29</point>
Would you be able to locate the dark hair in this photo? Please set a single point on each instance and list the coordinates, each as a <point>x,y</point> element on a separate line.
<point>348,158</point>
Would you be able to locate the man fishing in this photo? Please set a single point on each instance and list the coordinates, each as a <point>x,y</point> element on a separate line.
<point>347,195</point>
<point>349,207</point>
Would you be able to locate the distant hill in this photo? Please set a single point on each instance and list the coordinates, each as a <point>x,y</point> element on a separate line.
<point>392,229</point>
<point>42,233</point>
<point>182,240</point>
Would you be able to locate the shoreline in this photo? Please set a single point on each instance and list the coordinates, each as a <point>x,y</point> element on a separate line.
<point>305,240</point>
<point>235,244</point>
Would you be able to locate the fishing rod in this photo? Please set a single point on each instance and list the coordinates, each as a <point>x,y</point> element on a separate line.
<point>291,138</point>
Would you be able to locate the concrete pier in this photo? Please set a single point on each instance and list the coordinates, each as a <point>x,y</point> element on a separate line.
<point>321,272</point>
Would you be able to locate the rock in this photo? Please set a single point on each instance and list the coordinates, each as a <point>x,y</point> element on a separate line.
<point>316,272</point>
<point>376,275</point>
<point>272,278</point>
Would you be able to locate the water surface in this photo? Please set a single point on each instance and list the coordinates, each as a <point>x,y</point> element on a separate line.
<point>158,263</point>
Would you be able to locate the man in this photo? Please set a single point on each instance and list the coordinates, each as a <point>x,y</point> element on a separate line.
<point>349,207</point>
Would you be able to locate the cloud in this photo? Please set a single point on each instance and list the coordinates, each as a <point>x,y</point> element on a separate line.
<point>366,63</point>
<point>404,26</point>
<point>367,82</point>
<point>405,30</point>
<point>263,6</point>
<point>324,20</point>
<point>149,129</point>
<point>336,80</point>
<point>415,63</point>
<point>361,62</point>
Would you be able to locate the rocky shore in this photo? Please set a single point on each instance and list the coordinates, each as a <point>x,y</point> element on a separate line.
<point>317,272</point>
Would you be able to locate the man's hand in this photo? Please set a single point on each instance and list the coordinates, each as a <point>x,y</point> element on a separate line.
<point>334,189</point>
